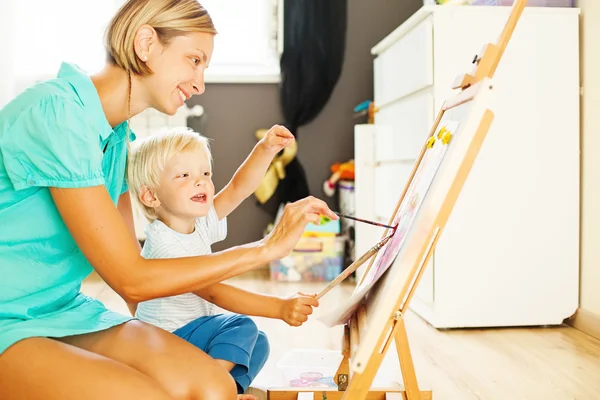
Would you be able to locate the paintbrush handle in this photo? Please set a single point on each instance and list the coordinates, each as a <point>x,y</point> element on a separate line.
<point>354,266</point>
<point>366,221</point>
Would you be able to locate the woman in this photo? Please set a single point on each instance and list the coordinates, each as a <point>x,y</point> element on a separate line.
<point>65,210</point>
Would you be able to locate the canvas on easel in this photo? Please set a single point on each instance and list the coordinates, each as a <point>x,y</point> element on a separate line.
<point>374,315</point>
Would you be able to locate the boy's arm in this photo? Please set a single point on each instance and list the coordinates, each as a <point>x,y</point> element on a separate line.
<point>240,301</point>
<point>248,176</point>
<point>293,310</point>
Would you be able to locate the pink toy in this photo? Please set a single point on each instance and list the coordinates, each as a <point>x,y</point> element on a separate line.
<point>311,376</point>
<point>299,383</point>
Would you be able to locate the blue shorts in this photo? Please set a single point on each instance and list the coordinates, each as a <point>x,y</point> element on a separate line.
<point>230,337</point>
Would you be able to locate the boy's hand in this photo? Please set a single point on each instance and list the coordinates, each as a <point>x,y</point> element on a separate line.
<point>296,308</point>
<point>276,139</point>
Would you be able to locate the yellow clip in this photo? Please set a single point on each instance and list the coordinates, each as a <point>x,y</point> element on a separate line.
<point>431,142</point>
<point>446,138</point>
<point>441,132</point>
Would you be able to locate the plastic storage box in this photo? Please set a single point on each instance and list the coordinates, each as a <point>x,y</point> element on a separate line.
<point>309,368</point>
<point>530,3</point>
<point>314,259</point>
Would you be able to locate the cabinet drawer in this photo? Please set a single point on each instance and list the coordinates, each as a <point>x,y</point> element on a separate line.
<point>364,188</point>
<point>408,121</point>
<point>406,66</point>
<point>366,236</point>
<point>364,142</point>
<point>390,180</point>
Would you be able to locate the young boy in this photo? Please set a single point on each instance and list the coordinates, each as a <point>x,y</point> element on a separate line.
<point>170,177</point>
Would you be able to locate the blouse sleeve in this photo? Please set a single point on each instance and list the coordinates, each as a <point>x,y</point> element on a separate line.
<point>53,143</point>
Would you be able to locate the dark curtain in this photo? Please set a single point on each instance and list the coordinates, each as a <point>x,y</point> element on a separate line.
<point>313,52</point>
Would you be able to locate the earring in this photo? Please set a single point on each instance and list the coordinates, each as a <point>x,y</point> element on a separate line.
<point>144,58</point>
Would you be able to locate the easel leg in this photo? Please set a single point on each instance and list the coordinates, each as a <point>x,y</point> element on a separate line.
<point>407,367</point>
<point>360,384</point>
<point>342,376</point>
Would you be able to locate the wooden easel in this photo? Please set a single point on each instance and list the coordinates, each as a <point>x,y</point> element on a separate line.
<point>353,385</point>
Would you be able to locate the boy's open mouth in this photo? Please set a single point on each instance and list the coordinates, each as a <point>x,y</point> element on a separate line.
<point>200,197</point>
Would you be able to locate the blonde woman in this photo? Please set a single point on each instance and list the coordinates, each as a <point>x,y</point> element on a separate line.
<point>65,211</point>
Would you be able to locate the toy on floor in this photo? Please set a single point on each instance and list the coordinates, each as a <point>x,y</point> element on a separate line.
<point>275,172</point>
<point>316,257</point>
<point>313,379</point>
<point>366,108</point>
<point>341,171</point>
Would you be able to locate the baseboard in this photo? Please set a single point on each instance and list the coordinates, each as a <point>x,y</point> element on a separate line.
<point>586,321</point>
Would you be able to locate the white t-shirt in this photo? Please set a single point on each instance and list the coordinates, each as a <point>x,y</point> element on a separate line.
<point>171,313</point>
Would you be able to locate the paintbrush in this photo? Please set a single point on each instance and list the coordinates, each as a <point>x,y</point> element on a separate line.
<point>364,220</point>
<point>354,266</point>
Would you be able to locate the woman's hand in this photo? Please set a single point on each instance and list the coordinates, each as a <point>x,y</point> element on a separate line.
<point>296,308</point>
<point>276,139</point>
<point>282,239</point>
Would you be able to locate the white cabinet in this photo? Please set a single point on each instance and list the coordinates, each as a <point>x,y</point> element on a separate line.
<point>406,116</point>
<point>396,75</point>
<point>509,255</point>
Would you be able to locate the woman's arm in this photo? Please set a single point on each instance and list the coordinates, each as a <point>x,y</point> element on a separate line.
<point>124,207</point>
<point>103,237</point>
<point>126,211</point>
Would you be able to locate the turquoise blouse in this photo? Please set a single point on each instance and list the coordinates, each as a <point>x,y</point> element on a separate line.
<point>54,134</point>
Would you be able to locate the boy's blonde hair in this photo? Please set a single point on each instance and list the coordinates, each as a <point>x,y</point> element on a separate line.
<point>149,157</point>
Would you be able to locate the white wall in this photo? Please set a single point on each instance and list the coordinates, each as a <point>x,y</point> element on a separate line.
<point>590,137</point>
<point>6,52</point>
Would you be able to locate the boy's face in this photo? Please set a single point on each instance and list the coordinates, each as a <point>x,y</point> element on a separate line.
<point>186,189</point>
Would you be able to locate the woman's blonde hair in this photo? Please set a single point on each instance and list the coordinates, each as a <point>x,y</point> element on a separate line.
<point>150,155</point>
<point>169,18</point>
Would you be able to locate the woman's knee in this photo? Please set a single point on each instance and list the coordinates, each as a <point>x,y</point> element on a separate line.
<point>214,383</point>
<point>49,361</point>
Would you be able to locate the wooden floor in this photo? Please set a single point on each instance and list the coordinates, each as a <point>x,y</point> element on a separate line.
<point>538,364</point>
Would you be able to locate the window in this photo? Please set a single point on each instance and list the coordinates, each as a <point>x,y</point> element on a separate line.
<point>45,33</point>
<point>248,43</point>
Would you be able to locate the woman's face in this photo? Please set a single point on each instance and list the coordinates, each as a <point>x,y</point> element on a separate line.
<point>178,70</point>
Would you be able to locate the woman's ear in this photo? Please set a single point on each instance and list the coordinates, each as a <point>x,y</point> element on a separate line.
<point>145,39</point>
<point>148,198</point>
